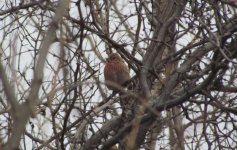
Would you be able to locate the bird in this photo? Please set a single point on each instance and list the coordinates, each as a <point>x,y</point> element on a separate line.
<point>116,72</point>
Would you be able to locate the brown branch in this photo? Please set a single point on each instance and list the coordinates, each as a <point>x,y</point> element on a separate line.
<point>28,108</point>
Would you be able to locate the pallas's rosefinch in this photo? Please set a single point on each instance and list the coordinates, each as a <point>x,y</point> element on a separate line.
<point>116,72</point>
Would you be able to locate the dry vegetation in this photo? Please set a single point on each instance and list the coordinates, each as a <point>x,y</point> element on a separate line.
<point>182,59</point>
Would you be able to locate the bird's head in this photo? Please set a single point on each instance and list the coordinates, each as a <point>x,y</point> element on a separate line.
<point>114,57</point>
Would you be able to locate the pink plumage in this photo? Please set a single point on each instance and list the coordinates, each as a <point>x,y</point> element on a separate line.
<point>116,72</point>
